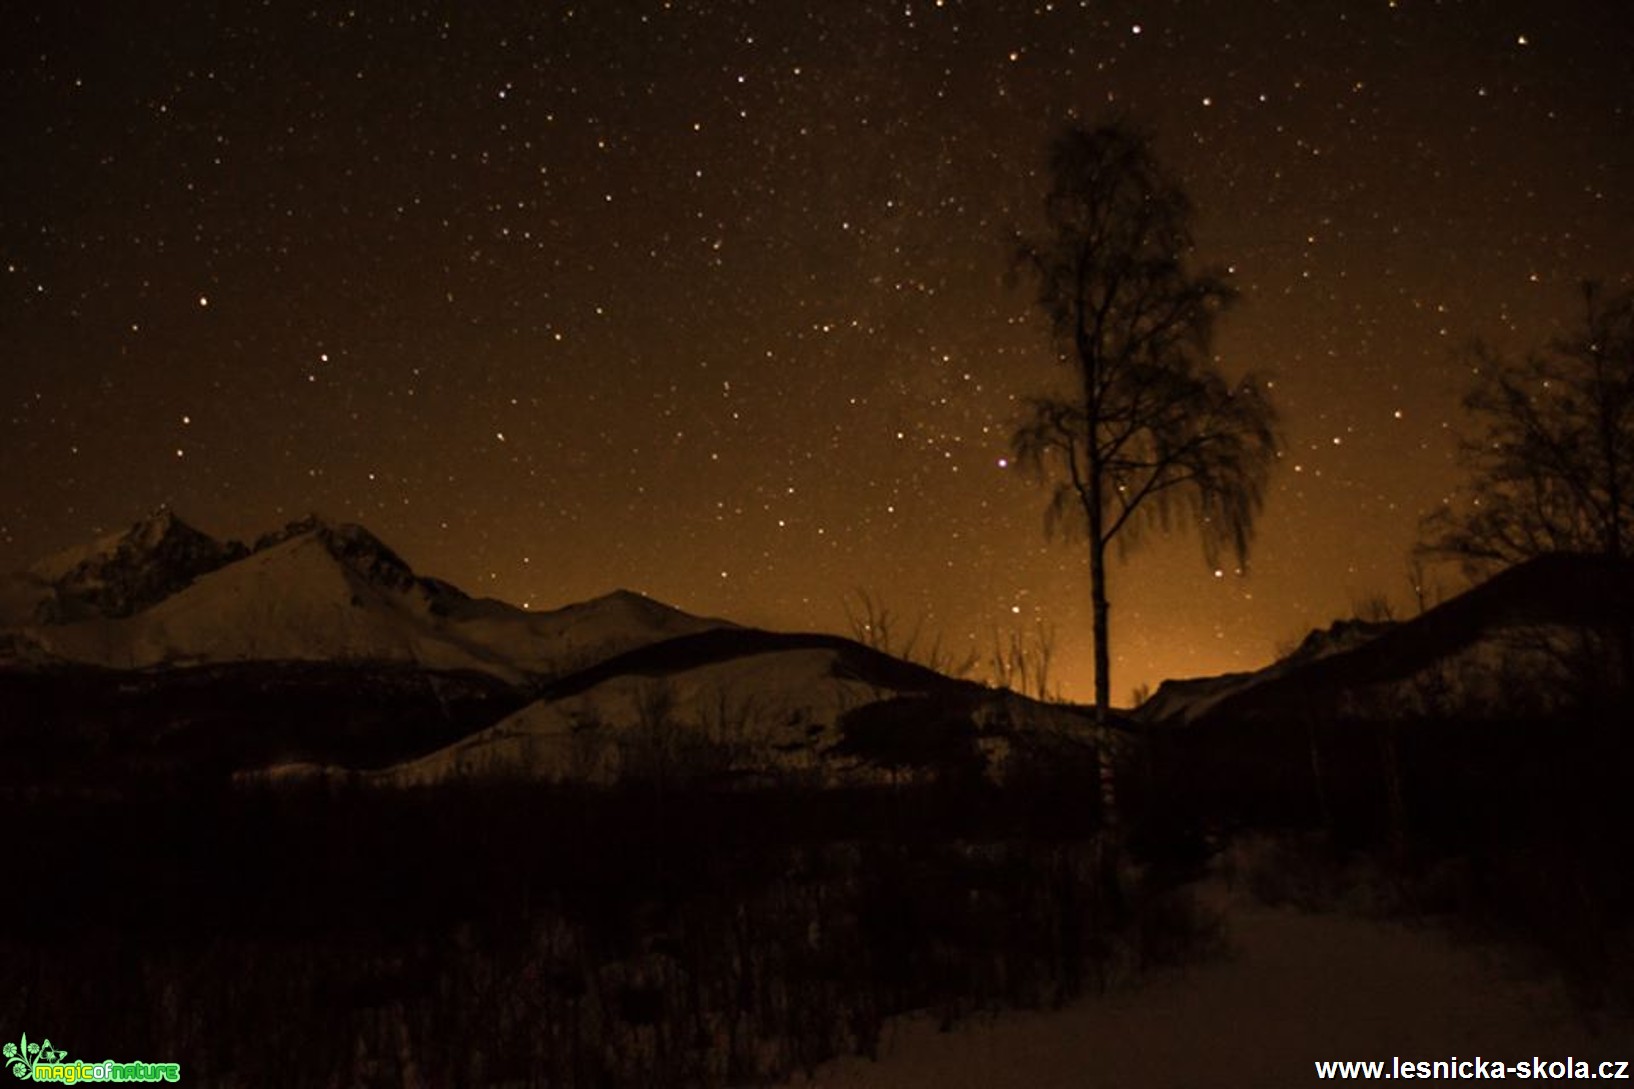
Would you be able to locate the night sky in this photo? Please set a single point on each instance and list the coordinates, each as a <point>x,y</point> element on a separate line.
<point>709,300</point>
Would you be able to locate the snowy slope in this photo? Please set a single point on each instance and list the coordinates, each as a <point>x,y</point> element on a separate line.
<point>571,638</point>
<point>23,598</point>
<point>316,591</point>
<point>785,702</point>
<point>792,708</point>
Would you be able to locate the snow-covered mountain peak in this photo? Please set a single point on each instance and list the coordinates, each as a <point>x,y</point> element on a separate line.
<point>144,536</point>
<point>628,603</point>
<point>126,572</point>
<point>164,594</point>
<point>162,523</point>
<point>360,551</point>
<point>320,527</point>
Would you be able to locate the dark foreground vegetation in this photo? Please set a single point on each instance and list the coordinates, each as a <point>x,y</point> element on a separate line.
<point>518,935</point>
<point>695,928</point>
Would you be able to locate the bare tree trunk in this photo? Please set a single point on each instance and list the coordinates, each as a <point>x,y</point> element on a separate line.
<point>1103,659</point>
<point>1103,680</point>
<point>1092,493</point>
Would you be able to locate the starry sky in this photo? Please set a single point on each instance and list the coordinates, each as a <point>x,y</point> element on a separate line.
<point>709,300</point>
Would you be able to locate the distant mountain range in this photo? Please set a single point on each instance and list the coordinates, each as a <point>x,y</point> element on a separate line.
<point>164,647</point>
<point>165,595</point>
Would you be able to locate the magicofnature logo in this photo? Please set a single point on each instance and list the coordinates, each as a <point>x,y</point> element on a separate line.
<point>43,1063</point>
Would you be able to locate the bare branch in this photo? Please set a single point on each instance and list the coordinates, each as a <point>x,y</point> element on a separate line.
<point>1552,466</point>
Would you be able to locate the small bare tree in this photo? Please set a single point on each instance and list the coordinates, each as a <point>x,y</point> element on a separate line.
<point>1373,608</point>
<point>1022,660</point>
<point>874,625</point>
<point>1427,592</point>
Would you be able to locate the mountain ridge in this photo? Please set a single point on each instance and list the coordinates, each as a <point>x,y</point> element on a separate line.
<point>312,589</point>
<point>1510,621</point>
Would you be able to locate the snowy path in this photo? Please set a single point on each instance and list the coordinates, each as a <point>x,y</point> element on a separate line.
<point>1295,988</point>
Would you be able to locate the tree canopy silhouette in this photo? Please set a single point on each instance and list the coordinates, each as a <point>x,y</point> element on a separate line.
<point>1151,434</point>
<point>1552,469</point>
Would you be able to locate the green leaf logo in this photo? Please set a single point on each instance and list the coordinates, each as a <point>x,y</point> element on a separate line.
<point>17,1059</point>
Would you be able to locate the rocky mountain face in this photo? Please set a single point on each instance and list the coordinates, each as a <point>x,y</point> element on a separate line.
<point>126,573</point>
<point>366,555</point>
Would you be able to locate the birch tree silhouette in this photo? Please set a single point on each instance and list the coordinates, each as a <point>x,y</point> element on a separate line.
<point>1152,434</point>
